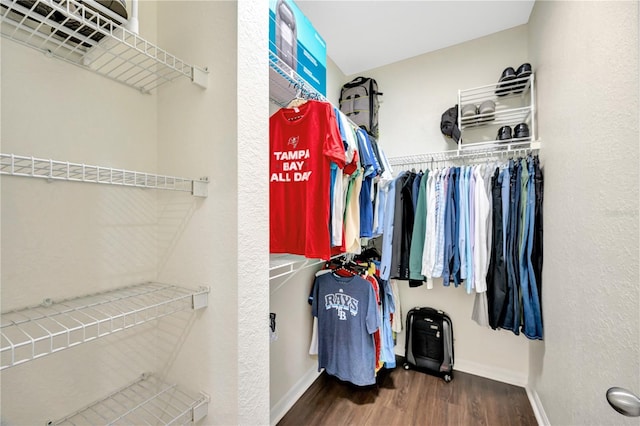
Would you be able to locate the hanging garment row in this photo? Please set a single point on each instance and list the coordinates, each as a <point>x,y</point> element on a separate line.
<point>354,315</point>
<point>321,186</point>
<point>474,226</point>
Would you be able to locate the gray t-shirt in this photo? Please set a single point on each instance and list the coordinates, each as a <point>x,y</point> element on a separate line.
<point>347,318</point>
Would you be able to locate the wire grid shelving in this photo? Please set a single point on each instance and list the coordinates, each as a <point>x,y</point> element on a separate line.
<point>88,35</point>
<point>285,84</point>
<point>281,265</point>
<point>514,104</point>
<point>17,165</point>
<point>37,331</point>
<point>147,401</point>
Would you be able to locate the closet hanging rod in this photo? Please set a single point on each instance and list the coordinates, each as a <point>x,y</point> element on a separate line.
<point>17,165</point>
<point>478,150</point>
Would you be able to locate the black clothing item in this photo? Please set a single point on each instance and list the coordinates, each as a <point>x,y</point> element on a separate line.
<point>512,316</point>
<point>497,273</point>
<point>396,241</point>
<point>455,231</point>
<point>408,216</point>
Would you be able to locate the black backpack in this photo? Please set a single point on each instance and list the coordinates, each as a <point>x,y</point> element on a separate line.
<point>449,123</point>
<point>359,101</point>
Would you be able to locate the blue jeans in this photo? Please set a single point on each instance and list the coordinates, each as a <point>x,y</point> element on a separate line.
<point>532,327</point>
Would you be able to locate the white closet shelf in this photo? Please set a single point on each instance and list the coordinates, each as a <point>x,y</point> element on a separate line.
<point>478,94</point>
<point>147,401</point>
<point>281,265</point>
<point>502,116</point>
<point>489,149</point>
<point>285,83</point>
<point>17,165</point>
<point>74,31</point>
<point>34,332</point>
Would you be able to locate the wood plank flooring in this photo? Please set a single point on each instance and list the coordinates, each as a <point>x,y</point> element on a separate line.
<point>403,397</point>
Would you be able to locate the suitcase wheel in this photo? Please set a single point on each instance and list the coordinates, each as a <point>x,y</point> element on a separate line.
<point>447,378</point>
<point>406,365</point>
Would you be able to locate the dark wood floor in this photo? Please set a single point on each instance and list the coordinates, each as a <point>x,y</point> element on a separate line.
<point>412,398</point>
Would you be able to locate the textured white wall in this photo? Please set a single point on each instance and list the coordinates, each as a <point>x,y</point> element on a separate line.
<point>416,92</point>
<point>253,213</point>
<point>586,57</point>
<point>198,238</point>
<point>64,239</point>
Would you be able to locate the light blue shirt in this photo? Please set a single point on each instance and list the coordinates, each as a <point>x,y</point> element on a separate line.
<point>441,190</point>
<point>470,283</point>
<point>463,238</point>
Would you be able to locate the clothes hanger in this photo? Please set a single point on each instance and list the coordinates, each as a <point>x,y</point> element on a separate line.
<point>298,100</point>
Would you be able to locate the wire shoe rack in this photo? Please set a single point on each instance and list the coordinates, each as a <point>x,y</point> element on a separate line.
<point>514,104</point>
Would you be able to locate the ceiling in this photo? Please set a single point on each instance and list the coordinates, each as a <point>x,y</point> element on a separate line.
<point>366,34</point>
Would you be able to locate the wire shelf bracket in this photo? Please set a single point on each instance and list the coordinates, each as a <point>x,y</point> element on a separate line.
<point>288,265</point>
<point>17,165</point>
<point>92,37</point>
<point>31,333</point>
<point>148,400</point>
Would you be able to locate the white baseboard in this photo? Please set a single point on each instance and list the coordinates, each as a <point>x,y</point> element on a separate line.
<point>538,409</point>
<point>493,373</point>
<point>286,402</point>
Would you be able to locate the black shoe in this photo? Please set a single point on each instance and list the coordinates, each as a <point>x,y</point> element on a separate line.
<point>504,133</point>
<point>504,85</point>
<point>523,73</point>
<point>521,131</point>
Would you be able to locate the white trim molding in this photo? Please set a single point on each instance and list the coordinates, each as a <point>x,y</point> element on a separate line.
<point>494,373</point>
<point>286,402</point>
<point>538,409</point>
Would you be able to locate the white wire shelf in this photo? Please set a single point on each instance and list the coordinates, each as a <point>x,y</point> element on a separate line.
<point>502,115</point>
<point>286,84</point>
<point>516,88</point>
<point>147,401</point>
<point>17,165</point>
<point>286,266</point>
<point>281,265</point>
<point>79,32</point>
<point>37,331</point>
<point>477,151</point>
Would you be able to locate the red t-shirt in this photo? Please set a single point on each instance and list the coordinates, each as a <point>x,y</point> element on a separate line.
<point>303,142</point>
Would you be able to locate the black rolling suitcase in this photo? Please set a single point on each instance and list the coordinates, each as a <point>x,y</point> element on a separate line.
<point>429,343</point>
